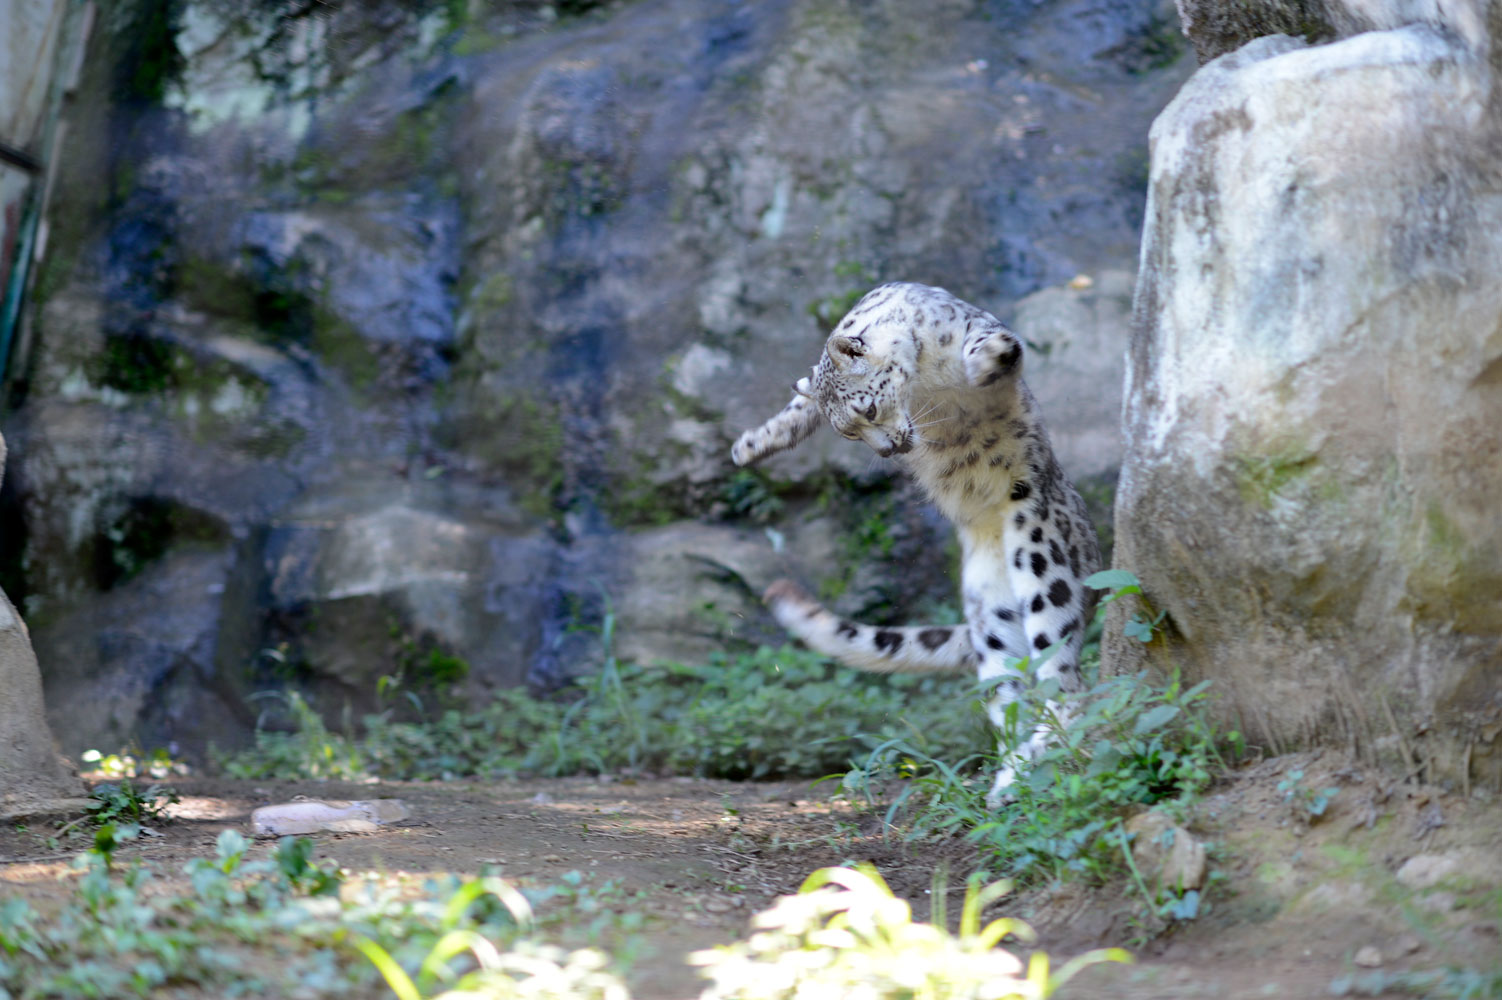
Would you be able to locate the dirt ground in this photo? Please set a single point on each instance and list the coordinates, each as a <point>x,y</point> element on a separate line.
<point>1391,878</point>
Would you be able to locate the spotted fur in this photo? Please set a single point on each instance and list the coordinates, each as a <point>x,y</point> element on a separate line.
<point>936,384</point>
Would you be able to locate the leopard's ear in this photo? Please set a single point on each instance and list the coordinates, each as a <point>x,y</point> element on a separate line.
<point>843,348</point>
<point>804,387</point>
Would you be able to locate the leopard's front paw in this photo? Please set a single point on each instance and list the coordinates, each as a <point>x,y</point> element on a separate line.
<point>992,357</point>
<point>744,451</point>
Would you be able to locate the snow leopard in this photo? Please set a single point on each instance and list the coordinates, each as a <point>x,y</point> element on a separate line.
<point>935,383</point>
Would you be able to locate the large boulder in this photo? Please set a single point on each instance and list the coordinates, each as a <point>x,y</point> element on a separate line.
<point>1313,420</point>
<point>32,777</point>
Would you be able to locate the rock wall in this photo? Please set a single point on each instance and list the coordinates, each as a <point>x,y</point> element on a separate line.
<point>1314,420</point>
<point>381,339</point>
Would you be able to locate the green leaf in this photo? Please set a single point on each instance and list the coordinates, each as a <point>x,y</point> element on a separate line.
<point>1112,579</point>
<point>1154,718</point>
<point>1194,692</point>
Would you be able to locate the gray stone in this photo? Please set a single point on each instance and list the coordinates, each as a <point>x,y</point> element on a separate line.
<point>153,663</point>
<point>1077,337</point>
<point>725,570</point>
<point>31,775</point>
<point>1215,27</point>
<point>1312,420</point>
<point>362,586</point>
<point>1425,871</point>
<point>1169,857</point>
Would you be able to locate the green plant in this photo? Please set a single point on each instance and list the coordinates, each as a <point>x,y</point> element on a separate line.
<point>1123,583</point>
<point>128,802</point>
<point>1126,742</point>
<point>751,494</point>
<point>734,716</point>
<point>846,934</point>
<point>1307,802</point>
<point>134,764</point>
<point>528,969</point>
<point>279,923</point>
<point>311,751</point>
<point>1433,984</point>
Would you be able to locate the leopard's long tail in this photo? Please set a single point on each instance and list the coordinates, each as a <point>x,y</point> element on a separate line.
<point>914,649</point>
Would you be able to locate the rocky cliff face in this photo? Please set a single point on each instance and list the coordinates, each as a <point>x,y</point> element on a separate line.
<point>382,339</point>
<point>1314,420</point>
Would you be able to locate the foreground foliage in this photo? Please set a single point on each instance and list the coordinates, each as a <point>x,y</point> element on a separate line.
<point>846,935</point>
<point>284,924</point>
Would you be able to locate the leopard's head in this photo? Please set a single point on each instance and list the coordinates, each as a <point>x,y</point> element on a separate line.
<point>860,385</point>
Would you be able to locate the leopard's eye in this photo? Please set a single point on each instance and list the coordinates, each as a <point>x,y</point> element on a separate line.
<point>870,412</point>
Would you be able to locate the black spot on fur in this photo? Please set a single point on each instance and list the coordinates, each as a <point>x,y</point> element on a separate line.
<point>847,631</point>
<point>1074,559</point>
<point>1020,520</point>
<point>933,638</point>
<point>1021,490</point>
<point>994,642</point>
<point>1039,565</point>
<point>1017,556</point>
<point>1055,553</point>
<point>1059,593</point>
<point>1037,535</point>
<point>1041,641</point>
<point>887,641</point>
<point>1069,628</point>
<point>1037,604</point>
<point>1006,614</point>
<point>945,338</point>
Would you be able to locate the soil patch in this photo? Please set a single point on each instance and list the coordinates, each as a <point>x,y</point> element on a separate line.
<point>1387,881</point>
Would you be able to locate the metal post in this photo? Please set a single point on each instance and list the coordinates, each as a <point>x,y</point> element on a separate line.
<point>67,60</point>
